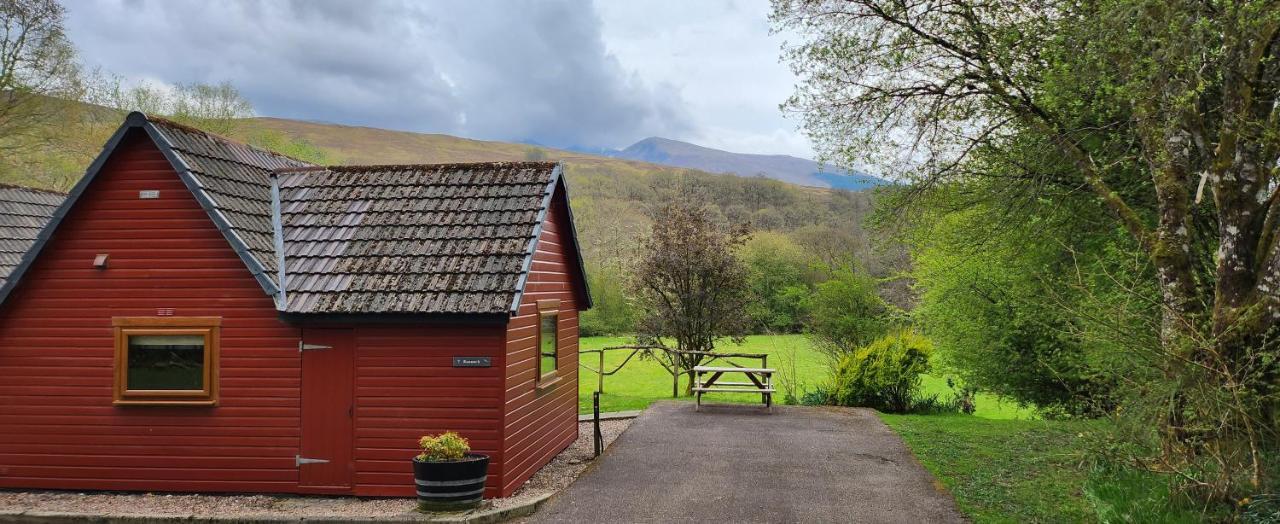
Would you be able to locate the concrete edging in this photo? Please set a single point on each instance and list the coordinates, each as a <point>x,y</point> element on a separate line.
<point>484,516</point>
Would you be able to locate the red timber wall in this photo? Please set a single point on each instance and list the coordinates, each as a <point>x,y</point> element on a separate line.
<point>406,387</point>
<point>542,421</point>
<point>58,428</point>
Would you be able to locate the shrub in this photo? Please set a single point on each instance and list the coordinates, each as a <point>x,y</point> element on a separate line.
<point>818,397</point>
<point>447,446</point>
<point>885,374</point>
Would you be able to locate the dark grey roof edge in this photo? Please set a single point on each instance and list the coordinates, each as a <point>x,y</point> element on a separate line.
<point>184,173</point>
<point>46,232</point>
<point>557,181</point>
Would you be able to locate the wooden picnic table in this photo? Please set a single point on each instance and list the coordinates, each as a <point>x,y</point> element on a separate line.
<point>759,380</point>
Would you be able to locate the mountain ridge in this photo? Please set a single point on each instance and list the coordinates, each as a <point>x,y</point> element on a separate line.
<point>786,168</point>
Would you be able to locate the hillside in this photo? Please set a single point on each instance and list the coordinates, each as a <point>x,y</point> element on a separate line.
<point>354,144</point>
<point>778,167</point>
<point>368,145</point>
<point>612,197</point>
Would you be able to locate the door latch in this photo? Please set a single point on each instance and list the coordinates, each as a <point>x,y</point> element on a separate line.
<point>299,460</point>
<point>302,346</point>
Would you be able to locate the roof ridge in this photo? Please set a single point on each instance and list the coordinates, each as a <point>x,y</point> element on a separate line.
<point>302,169</point>
<point>365,167</point>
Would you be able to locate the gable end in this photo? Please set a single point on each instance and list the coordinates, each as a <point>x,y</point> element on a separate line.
<point>557,184</point>
<point>137,120</point>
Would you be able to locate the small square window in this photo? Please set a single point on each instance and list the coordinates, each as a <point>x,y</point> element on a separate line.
<point>166,360</point>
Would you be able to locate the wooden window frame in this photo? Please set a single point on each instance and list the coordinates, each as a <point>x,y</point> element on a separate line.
<point>547,308</point>
<point>209,327</point>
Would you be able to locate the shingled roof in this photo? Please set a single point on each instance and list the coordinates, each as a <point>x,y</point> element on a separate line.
<point>23,213</point>
<point>421,239</point>
<point>235,180</point>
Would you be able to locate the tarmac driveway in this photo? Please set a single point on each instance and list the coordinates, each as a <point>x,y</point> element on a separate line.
<point>741,464</point>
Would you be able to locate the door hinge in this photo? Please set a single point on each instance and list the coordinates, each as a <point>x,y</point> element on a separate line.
<point>299,460</point>
<point>303,346</point>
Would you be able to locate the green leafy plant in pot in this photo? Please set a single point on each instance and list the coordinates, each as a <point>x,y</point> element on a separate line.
<point>448,475</point>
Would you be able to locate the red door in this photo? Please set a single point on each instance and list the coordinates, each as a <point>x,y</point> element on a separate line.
<point>328,408</point>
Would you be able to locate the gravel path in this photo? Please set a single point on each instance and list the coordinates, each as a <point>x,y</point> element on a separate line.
<point>553,477</point>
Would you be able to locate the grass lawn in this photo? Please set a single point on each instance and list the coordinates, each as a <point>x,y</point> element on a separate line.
<point>1003,470</point>
<point>641,382</point>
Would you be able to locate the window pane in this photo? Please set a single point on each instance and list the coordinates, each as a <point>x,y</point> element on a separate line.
<point>166,362</point>
<point>547,345</point>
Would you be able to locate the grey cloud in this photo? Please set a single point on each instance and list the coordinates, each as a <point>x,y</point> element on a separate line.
<point>496,70</point>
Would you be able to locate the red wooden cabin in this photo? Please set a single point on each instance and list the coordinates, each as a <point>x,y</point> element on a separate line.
<point>201,315</point>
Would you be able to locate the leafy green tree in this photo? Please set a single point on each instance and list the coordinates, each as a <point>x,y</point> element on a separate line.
<point>1164,112</point>
<point>781,276</point>
<point>846,313</point>
<point>1007,317</point>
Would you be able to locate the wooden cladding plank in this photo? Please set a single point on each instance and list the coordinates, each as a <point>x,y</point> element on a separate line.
<point>406,386</point>
<point>538,424</point>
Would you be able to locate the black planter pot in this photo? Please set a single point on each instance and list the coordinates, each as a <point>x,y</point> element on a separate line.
<point>451,485</point>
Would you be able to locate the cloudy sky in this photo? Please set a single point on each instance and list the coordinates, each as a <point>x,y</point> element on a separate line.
<point>564,73</point>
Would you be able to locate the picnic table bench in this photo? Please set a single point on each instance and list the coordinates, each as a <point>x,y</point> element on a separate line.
<point>760,380</point>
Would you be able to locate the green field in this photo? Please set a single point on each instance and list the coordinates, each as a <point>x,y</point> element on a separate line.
<point>641,382</point>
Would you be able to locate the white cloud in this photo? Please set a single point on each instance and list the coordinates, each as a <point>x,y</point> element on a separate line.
<point>723,58</point>
<point>562,73</point>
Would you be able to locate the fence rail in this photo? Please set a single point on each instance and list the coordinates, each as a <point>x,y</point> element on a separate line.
<point>675,368</point>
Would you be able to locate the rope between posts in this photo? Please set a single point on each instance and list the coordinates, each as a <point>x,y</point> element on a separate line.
<point>615,370</point>
<point>649,349</point>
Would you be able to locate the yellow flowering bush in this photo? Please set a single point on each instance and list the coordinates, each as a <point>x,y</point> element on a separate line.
<point>446,446</point>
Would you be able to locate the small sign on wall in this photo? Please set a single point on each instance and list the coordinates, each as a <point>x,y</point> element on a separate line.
<point>148,194</point>
<point>471,362</point>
